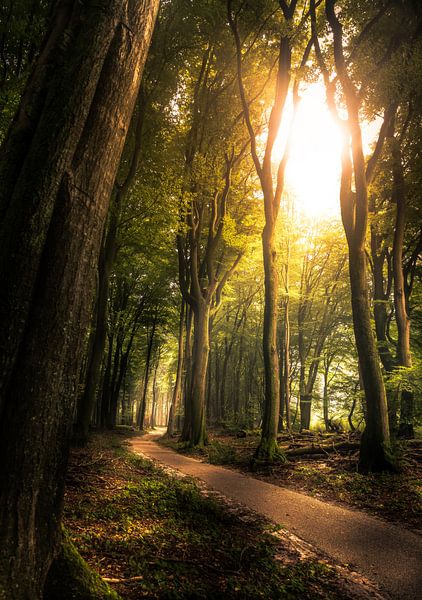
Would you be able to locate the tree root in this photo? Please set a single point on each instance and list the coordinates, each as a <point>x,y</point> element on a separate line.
<point>70,578</point>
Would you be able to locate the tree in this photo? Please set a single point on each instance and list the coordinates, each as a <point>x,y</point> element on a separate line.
<point>375,453</point>
<point>272,192</point>
<point>317,313</point>
<point>207,256</point>
<point>58,164</point>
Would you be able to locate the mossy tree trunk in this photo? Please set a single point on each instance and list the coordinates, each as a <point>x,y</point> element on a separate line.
<point>57,170</point>
<point>70,578</point>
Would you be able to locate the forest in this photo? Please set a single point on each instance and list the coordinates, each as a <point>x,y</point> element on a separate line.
<point>210,299</point>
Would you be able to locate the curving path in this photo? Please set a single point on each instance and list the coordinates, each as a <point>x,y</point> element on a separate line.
<point>385,553</point>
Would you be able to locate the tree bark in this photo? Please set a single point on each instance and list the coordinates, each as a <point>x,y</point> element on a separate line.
<point>382,291</point>
<point>188,377</point>
<point>200,352</point>
<point>286,366</point>
<point>268,445</point>
<point>374,455</point>
<point>404,358</point>
<point>177,392</point>
<point>54,202</point>
<point>142,406</point>
<point>86,401</point>
<point>104,392</point>
<point>154,396</point>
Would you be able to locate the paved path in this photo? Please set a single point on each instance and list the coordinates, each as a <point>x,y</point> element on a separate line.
<point>383,552</point>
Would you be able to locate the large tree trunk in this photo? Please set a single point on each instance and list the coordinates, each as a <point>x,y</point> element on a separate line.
<point>62,164</point>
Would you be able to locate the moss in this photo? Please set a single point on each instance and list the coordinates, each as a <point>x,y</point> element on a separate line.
<point>70,578</point>
<point>268,451</point>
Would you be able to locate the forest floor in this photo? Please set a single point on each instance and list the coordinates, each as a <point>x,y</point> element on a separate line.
<point>155,535</point>
<point>325,466</point>
<point>386,553</point>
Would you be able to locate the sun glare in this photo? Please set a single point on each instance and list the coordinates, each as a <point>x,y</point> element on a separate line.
<point>313,170</point>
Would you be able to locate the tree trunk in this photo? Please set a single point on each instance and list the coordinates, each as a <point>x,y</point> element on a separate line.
<point>305,411</point>
<point>239,407</point>
<point>267,448</point>
<point>374,455</point>
<point>54,203</point>
<point>142,406</point>
<point>177,392</point>
<point>154,397</point>
<point>200,352</point>
<point>404,357</point>
<point>325,406</point>
<point>382,292</point>
<point>104,392</point>
<point>286,369</point>
<point>111,392</point>
<point>87,399</point>
<point>352,408</point>
<point>188,377</point>
<point>223,377</point>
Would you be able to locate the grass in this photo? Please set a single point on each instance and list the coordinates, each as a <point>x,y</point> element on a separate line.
<point>154,536</point>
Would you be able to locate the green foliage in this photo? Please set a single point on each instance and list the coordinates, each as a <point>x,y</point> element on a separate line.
<point>22,27</point>
<point>220,454</point>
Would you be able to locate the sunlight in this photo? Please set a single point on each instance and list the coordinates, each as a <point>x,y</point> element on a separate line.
<point>313,171</point>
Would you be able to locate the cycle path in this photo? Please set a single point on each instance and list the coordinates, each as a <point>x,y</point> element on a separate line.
<point>385,553</point>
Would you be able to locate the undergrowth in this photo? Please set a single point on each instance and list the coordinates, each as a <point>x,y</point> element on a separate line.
<point>153,536</point>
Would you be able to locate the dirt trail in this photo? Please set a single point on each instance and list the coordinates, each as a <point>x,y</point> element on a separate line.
<point>385,553</point>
